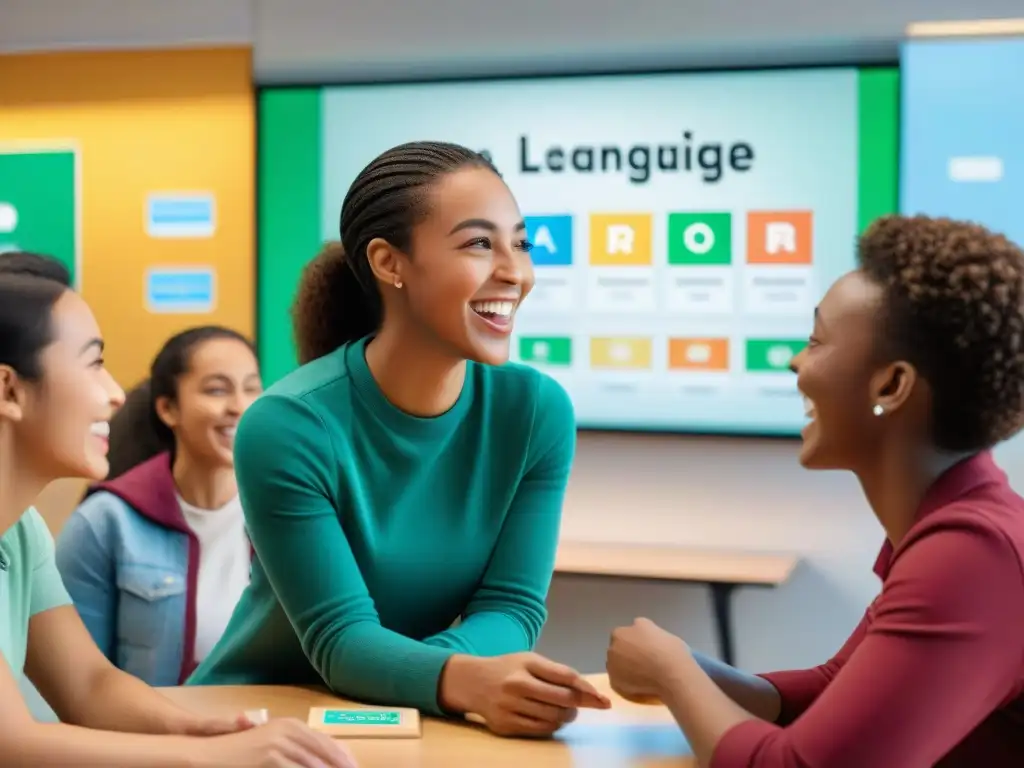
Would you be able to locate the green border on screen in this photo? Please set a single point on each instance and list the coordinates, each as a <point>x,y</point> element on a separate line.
<point>878,118</point>
<point>288,215</point>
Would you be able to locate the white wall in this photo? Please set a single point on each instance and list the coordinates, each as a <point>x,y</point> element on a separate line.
<point>328,40</point>
<point>733,494</point>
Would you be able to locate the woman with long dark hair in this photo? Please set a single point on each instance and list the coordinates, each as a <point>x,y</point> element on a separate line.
<point>56,401</point>
<point>157,556</point>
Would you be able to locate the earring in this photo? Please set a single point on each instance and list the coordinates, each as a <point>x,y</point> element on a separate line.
<point>398,283</point>
<point>878,410</point>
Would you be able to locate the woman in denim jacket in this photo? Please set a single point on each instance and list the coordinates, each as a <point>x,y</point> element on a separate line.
<point>156,558</point>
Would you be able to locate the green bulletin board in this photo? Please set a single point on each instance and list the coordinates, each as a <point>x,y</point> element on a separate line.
<point>39,206</point>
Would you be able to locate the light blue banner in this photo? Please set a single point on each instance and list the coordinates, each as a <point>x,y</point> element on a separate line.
<point>963,131</point>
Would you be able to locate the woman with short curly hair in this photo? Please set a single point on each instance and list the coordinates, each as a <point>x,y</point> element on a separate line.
<point>915,370</point>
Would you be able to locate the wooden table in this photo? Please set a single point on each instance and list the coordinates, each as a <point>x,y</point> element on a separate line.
<point>626,736</point>
<point>721,572</point>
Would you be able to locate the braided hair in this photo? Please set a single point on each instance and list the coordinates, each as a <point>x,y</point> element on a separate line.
<point>338,300</point>
<point>954,308</point>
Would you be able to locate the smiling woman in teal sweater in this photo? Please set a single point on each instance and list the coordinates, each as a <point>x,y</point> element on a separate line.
<point>403,489</point>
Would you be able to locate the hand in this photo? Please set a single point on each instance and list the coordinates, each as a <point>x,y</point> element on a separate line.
<point>636,660</point>
<point>284,743</point>
<point>521,694</point>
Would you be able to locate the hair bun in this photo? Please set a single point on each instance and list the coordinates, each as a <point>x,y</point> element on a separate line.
<point>328,288</point>
<point>333,250</point>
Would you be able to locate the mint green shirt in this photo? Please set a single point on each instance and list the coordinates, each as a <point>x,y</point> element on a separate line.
<point>376,531</point>
<point>29,584</point>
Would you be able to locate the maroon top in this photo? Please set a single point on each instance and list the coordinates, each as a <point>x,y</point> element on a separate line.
<point>934,673</point>
<point>149,489</point>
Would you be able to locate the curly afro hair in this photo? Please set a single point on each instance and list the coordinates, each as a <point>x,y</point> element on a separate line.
<point>953,308</point>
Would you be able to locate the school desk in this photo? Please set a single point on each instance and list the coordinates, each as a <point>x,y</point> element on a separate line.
<point>721,571</point>
<point>626,736</point>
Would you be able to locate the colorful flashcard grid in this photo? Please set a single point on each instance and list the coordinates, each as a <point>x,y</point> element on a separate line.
<point>775,276</point>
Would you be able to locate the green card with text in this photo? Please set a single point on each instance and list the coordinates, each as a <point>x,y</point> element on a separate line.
<point>362,717</point>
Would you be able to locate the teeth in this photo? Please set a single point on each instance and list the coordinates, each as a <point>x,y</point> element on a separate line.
<point>808,408</point>
<point>503,308</point>
<point>100,428</point>
<point>227,431</point>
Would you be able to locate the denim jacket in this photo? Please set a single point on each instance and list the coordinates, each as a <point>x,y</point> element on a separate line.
<point>130,563</point>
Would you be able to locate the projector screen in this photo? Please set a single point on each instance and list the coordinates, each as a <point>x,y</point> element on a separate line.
<point>684,225</point>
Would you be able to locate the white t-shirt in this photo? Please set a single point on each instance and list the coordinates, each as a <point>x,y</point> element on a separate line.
<point>224,566</point>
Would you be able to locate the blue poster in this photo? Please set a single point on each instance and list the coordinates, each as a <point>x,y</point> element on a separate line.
<point>180,290</point>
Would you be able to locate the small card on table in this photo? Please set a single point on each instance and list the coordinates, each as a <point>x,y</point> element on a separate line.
<point>395,723</point>
<point>257,716</point>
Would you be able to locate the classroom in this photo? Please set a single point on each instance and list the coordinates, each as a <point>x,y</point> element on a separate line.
<point>509,383</point>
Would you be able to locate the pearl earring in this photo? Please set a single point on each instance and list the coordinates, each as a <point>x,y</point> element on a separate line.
<point>878,410</point>
<point>398,283</point>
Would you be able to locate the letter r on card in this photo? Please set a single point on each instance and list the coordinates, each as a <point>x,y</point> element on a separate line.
<point>780,237</point>
<point>621,239</point>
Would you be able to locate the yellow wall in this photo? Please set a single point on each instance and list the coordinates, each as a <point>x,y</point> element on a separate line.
<point>147,121</point>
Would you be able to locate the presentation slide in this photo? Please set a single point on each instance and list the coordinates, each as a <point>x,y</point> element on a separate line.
<point>684,225</point>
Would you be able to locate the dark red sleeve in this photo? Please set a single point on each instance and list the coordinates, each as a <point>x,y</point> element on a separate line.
<point>942,652</point>
<point>799,688</point>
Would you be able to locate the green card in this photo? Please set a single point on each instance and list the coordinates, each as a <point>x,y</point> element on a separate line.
<point>362,717</point>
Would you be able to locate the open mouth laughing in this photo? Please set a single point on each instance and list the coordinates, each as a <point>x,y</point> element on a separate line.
<point>497,314</point>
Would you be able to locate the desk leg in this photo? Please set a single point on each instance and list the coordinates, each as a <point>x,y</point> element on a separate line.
<point>721,601</point>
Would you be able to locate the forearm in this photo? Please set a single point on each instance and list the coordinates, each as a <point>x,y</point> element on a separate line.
<point>699,705</point>
<point>120,702</point>
<point>373,664</point>
<point>489,633</point>
<point>58,746</point>
<point>754,694</point>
